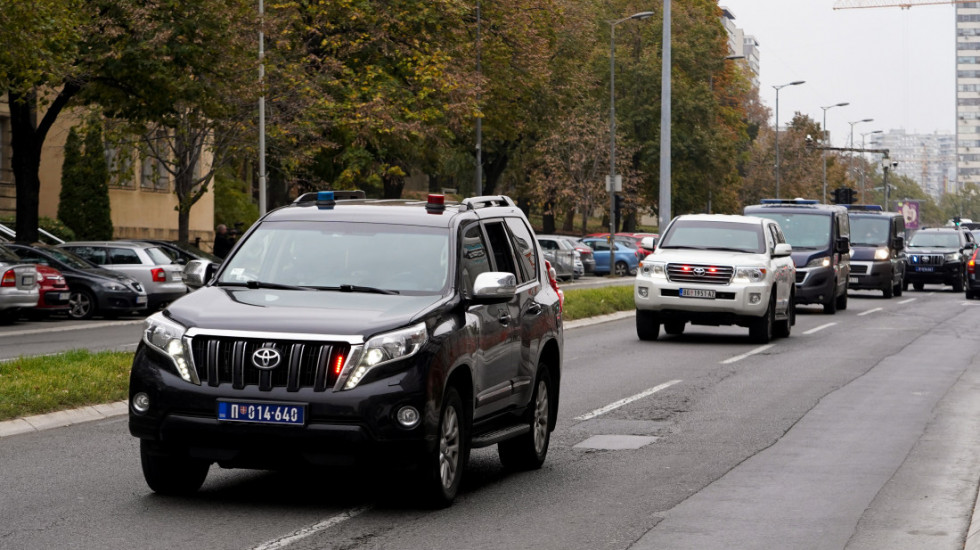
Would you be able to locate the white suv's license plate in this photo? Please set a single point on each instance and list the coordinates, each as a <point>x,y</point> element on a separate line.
<point>262,413</point>
<point>697,293</point>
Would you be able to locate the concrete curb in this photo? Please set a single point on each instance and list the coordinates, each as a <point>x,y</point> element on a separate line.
<point>973,533</point>
<point>60,419</point>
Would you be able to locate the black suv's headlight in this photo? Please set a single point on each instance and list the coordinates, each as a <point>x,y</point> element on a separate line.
<point>167,337</point>
<point>386,348</point>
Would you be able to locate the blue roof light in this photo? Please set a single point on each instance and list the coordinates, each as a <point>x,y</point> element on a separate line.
<point>324,199</point>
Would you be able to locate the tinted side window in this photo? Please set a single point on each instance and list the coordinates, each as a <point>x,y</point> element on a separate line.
<point>123,256</point>
<point>473,257</point>
<point>527,254</point>
<point>503,258</point>
<point>91,253</point>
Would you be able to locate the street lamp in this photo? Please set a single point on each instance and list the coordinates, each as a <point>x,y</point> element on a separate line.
<point>612,130</point>
<point>826,137</point>
<point>851,141</point>
<point>863,175</point>
<point>777,88</point>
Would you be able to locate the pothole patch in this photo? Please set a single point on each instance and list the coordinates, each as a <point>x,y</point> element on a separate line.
<point>615,442</point>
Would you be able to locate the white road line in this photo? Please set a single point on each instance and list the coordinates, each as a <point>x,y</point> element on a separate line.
<point>870,311</point>
<point>622,402</point>
<point>757,350</point>
<point>906,301</point>
<point>311,530</point>
<point>818,329</point>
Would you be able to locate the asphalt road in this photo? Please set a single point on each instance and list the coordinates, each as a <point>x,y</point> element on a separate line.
<point>859,431</point>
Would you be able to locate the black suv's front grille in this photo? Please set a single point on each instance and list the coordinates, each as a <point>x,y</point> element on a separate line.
<point>300,364</point>
<point>696,273</point>
<point>927,259</point>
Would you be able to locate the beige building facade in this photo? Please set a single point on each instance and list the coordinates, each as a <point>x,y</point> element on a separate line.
<point>141,197</point>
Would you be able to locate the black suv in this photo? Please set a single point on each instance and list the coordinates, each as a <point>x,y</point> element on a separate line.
<point>355,332</point>
<point>877,249</point>
<point>938,255</point>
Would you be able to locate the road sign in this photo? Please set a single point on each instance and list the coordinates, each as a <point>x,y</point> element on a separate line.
<point>619,184</point>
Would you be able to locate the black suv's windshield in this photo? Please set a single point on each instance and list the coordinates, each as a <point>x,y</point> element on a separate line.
<point>341,256</point>
<point>868,231</point>
<point>939,239</point>
<point>715,235</point>
<point>802,230</point>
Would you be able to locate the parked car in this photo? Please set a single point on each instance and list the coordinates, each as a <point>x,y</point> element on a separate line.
<point>585,253</point>
<point>156,271</point>
<point>713,269</point>
<point>55,294</point>
<point>626,261</point>
<point>938,255</point>
<point>182,253</point>
<point>631,240</point>
<point>93,290</point>
<point>563,257</point>
<point>19,287</point>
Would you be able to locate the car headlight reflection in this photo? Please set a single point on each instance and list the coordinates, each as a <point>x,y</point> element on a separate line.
<point>881,254</point>
<point>114,286</point>
<point>822,261</point>
<point>954,257</point>
<point>386,348</point>
<point>167,337</point>
<point>750,274</point>
<point>653,269</point>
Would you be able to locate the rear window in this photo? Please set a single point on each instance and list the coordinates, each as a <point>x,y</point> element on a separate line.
<point>159,257</point>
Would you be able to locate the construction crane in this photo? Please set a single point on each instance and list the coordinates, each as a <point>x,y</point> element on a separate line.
<point>856,4</point>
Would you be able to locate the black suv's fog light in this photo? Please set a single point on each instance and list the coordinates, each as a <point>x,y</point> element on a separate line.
<point>141,402</point>
<point>408,417</point>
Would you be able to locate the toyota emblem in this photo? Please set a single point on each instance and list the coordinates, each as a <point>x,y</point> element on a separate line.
<point>266,358</point>
<point>699,271</point>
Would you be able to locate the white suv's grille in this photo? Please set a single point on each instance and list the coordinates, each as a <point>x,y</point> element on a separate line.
<point>700,273</point>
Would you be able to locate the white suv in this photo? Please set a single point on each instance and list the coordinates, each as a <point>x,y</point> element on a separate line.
<point>717,270</point>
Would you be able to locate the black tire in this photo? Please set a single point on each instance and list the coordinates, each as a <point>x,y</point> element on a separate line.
<point>528,451</point>
<point>899,287</point>
<point>622,269</point>
<point>782,329</point>
<point>443,468</point>
<point>674,328</point>
<point>761,330</point>
<point>82,304</point>
<point>970,295</point>
<point>842,301</point>
<point>168,474</point>
<point>918,286</point>
<point>888,291</point>
<point>647,325</point>
<point>905,284</point>
<point>958,285</point>
<point>830,307</point>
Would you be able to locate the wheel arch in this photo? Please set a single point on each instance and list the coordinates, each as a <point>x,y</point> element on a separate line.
<point>551,356</point>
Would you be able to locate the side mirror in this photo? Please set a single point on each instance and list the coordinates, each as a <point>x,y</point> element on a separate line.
<point>782,250</point>
<point>198,273</point>
<point>648,243</point>
<point>494,287</point>
<point>843,245</point>
<point>899,243</point>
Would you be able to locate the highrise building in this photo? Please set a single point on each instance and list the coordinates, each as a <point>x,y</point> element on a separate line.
<point>967,94</point>
<point>928,159</point>
<point>742,45</point>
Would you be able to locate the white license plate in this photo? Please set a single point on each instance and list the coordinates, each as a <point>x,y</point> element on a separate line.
<point>697,293</point>
<point>855,280</point>
<point>141,299</point>
<point>176,277</point>
<point>64,295</point>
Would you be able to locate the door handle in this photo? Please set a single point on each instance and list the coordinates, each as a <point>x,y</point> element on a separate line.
<point>504,319</point>
<point>534,309</point>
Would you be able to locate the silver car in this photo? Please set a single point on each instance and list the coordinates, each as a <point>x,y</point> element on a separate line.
<point>161,278</point>
<point>563,257</point>
<point>19,288</point>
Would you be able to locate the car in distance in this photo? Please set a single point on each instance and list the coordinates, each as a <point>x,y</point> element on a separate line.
<point>159,275</point>
<point>626,260</point>
<point>820,237</point>
<point>307,346</point>
<point>877,249</point>
<point>584,251</point>
<point>713,269</point>
<point>562,256</point>
<point>19,289</point>
<point>938,255</point>
<point>93,290</point>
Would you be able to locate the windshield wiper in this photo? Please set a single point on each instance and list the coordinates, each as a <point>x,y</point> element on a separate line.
<point>730,249</point>
<point>253,284</point>
<point>357,288</point>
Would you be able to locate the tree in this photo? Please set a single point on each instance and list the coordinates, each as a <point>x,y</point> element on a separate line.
<point>83,204</point>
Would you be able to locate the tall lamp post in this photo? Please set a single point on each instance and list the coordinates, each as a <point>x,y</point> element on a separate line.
<point>478,184</point>
<point>777,88</point>
<point>850,142</point>
<point>663,202</point>
<point>826,136</point>
<point>863,175</point>
<point>612,132</point>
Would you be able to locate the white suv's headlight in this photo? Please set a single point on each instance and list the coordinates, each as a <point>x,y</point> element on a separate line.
<point>750,274</point>
<point>387,347</point>
<point>167,337</point>
<point>653,269</point>
<point>881,254</point>
<point>822,261</point>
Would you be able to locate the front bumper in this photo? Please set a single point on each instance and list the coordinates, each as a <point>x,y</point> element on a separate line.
<point>815,285</point>
<point>947,274</point>
<point>732,304</point>
<point>121,301</point>
<point>342,428</point>
<point>871,275</point>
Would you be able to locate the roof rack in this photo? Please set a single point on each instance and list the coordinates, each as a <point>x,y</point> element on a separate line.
<point>865,207</point>
<point>487,201</point>
<point>789,201</point>
<point>340,194</point>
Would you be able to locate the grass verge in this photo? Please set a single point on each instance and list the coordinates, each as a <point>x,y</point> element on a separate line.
<point>37,385</point>
<point>589,302</point>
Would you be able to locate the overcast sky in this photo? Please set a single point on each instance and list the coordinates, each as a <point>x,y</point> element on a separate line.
<point>897,66</point>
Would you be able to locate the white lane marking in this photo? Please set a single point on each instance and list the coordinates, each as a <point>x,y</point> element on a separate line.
<point>622,402</point>
<point>308,531</point>
<point>757,350</point>
<point>870,311</point>
<point>906,301</point>
<point>818,329</point>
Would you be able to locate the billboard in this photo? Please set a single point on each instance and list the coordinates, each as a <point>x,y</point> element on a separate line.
<point>910,210</point>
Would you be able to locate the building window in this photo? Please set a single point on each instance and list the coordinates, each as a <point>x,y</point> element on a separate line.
<point>120,163</point>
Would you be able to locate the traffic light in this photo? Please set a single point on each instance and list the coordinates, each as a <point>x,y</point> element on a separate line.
<point>844,195</point>
<point>618,209</point>
<point>837,196</point>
